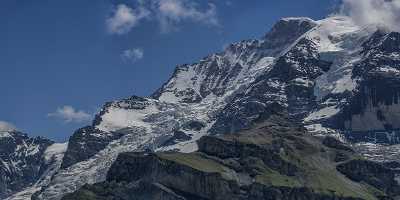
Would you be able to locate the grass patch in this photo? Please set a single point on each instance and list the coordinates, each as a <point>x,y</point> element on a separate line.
<point>330,182</point>
<point>195,161</point>
<point>271,177</point>
<point>254,138</point>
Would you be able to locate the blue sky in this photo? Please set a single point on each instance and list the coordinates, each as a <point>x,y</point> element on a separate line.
<point>60,61</point>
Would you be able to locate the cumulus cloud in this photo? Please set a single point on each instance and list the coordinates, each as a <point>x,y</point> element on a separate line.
<point>168,13</point>
<point>132,55</point>
<point>6,126</point>
<point>172,12</point>
<point>70,114</point>
<point>382,13</point>
<point>125,18</point>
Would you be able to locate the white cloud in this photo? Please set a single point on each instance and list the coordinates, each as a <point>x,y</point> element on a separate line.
<point>168,13</point>
<point>132,55</point>
<point>6,126</point>
<point>125,18</point>
<point>382,13</point>
<point>172,12</point>
<point>69,114</point>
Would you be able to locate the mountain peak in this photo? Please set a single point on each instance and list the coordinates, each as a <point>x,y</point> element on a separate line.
<point>297,19</point>
<point>286,31</point>
<point>7,127</point>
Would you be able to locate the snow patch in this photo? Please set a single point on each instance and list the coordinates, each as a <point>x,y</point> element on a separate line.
<point>304,81</point>
<point>263,63</point>
<point>330,32</point>
<point>339,40</point>
<point>55,151</point>
<point>388,69</point>
<point>4,134</point>
<point>320,130</point>
<point>322,113</point>
<point>118,118</point>
<point>298,19</point>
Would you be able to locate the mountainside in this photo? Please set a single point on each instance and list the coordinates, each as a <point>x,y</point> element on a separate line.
<point>273,160</point>
<point>25,161</point>
<point>331,76</point>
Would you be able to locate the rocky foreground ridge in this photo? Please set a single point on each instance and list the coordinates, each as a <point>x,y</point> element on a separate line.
<point>276,159</point>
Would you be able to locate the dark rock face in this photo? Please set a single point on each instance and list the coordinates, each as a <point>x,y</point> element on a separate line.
<point>270,161</point>
<point>193,125</point>
<point>301,61</point>
<point>342,154</point>
<point>375,174</point>
<point>293,194</point>
<point>123,191</point>
<point>392,164</point>
<point>378,52</point>
<point>85,143</point>
<point>227,149</point>
<point>286,31</point>
<point>168,172</point>
<point>371,114</point>
<point>22,161</point>
<point>179,136</point>
<point>336,144</point>
<point>288,86</point>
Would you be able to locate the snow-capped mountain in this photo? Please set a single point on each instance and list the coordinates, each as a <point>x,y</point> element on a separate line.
<point>26,161</point>
<point>332,75</point>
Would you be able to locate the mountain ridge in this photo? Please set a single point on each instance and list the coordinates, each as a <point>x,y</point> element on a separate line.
<point>290,69</point>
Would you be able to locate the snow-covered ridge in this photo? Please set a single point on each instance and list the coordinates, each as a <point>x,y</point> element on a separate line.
<point>339,40</point>
<point>336,33</point>
<point>22,161</point>
<point>53,156</point>
<point>215,75</point>
<point>220,75</point>
<point>5,134</point>
<point>297,19</point>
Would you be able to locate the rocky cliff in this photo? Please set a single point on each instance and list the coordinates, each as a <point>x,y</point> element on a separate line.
<point>274,160</point>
